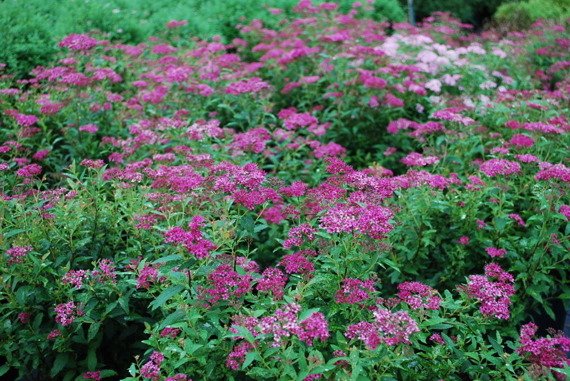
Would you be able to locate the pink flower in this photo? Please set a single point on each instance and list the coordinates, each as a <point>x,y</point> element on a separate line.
<point>96,376</point>
<point>296,189</point>
<point>163,49</point>
<point>272,279</point>
<point>75,278</point>
<point>371,220</point>
<point>253,140</point>
<point>453,115</point>
<point>329,149</point>
<point>418,295</point>
<point>296,234</point>
<point>237,356</point>
<point>193,239</point>
<point>518,219</point>
<point>527,158</point>
<point>170,332</point>
<point>393,101</point>
<point>41,155</point>
<point>29,170</point>
<point>297,263</point>
<point>25,120</point>
<point>16,253</point>
<point>54,334</point>
<point>463,240</point>
<point>247,86</point>
<point>90,128</point>
<point>78,42</point>
<point>312,328</point>
<point>565,211</point>
<point>417,160</point>
<point>494,252</point>
<point>549,352</point>
<point>496,167</point>
<point>66,313</point>
<point>105,272</point>
<point>95,164</point>
<point>293,120</point>
<point>176,23</point>
<point>151,369</point>
<point>147,276</point>
<point>550,171</point>
<point>354,291</point>
<point>493,290</point>
<point>520,140</point>
<point>436,338</point>
<point>285,323</point>
<point>390,328</point>
<point>228,284</point>
<point>24,317</point>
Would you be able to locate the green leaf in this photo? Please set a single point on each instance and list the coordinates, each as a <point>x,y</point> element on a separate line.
<point>174,317</point>
<point>306,314</point>
<point>108,373</point>
<point>14,232</point>
<point>168,258</point>
<point>243,332</point>
<point>93,330</point>
<point>92,358</point>
<point>322,368</point>
<point>60,361</point>
<point>249,358</point>
<point>4,369</point>
<point>565,371</point>
<point>165,296</point>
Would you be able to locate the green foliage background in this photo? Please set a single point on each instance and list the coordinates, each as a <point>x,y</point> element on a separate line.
<point>30,30</point>
<point>521,14</point>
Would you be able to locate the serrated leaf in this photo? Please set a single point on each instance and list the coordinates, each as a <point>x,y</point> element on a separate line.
<point>60,361</point>
<point>165,296</point>
<point>249,358</point>
<point>243,332</point>
<point>174,317</point>
<point>306,314</point>
<point>168,258</point>
<point>108,373</point>
<point>4,369</point>
<point>93,330</point>
<point>14,232</point>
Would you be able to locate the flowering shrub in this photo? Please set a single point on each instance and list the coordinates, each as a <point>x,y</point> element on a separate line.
<point>332,199</point>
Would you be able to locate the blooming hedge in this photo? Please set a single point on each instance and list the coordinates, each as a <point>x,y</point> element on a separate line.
<point>335,199</point>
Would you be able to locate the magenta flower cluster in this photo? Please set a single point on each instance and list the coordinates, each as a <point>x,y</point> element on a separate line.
<point>493,290</point>
<point>390,328</point>
<point>418,295</point>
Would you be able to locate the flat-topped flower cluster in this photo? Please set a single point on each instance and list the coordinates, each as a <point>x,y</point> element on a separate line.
<point>339,198</point>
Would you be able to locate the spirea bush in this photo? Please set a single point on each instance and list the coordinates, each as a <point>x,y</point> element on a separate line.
<point>29,38</point>
<point>333,198</point>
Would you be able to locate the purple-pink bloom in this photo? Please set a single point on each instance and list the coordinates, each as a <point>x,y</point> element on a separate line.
<point>16,253</point>
<point>418,295</point>
<point>354,291</point>
<point>496,167</point>
<point>493,290</point>
<point>496,252</point>
<point>78,42</point>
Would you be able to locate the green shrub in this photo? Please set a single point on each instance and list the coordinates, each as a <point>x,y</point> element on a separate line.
<point>30,40</point>
<point>521,15</point>
<point>475,12</point>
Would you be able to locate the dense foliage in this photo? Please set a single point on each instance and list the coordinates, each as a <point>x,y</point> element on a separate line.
<point>522,14</point>
<point>29,38</point>
<point>332,197</point>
